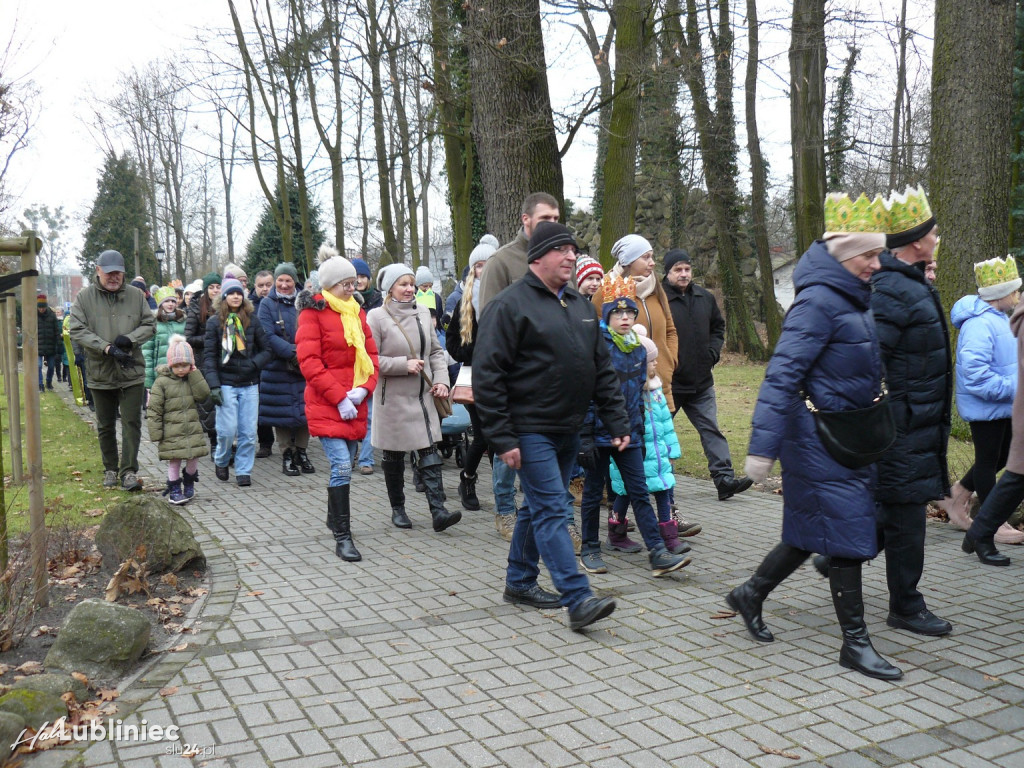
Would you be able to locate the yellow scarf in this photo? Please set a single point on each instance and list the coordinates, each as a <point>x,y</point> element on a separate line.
<point>349,311</point>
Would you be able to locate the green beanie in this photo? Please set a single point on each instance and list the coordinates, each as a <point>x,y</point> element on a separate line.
<point>209,280</point>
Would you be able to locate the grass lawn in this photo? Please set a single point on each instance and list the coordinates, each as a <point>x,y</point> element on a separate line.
<point>736,384</point>
<point>72,469</point>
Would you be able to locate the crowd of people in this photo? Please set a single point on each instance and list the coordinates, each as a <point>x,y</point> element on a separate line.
<point>577,375</point>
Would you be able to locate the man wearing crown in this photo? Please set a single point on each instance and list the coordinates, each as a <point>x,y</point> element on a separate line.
<point>914,340</point>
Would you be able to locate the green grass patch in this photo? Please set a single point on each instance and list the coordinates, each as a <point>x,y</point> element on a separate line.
<point>737,383</point>
<point>72,467</point>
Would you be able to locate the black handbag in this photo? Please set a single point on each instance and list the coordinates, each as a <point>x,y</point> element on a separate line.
<point>859,437</point>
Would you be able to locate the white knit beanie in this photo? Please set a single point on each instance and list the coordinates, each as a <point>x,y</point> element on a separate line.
<point>334,270</point>
<point>484,250</point>
<point>388,276</point>
<point>424,275</point>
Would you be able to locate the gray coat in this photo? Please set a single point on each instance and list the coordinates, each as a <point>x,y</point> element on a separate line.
<point>404,416</point>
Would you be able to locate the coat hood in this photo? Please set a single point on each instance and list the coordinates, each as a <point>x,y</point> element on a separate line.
<point>308,300</point>
<point>970,306</point>
<point>817,267</point>
<point>1017,319</point>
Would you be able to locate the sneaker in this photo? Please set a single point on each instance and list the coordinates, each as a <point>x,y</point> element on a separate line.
<point>264,451</point>
<point>220,472</point>
<point>505,525</point>
<point>685,528</point>
<point>592,563</point>
<point>110,479</point>
<point>577,540</point>
<point>243,480</point>
<point>130,482</point>
<point>663,561</point>
<point>366,470</point>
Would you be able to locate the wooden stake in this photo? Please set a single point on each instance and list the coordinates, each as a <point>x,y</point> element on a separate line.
<point>13,394</point>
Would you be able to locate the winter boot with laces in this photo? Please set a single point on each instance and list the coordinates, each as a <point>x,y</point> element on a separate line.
<point>467,491</point>
<point>662,562</point>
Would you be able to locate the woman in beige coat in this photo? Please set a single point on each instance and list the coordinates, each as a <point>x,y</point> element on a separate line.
<point>404,416</point>
<point>635,259</point>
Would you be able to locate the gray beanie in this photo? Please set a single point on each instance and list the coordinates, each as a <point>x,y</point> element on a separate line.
<point>484,250</point>
<point>424,275</point>
<point>630,248</point>
<point>334,270</point>
<point>388,276</point>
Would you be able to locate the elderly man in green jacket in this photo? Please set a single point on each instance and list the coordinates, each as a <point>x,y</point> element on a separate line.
<point>110,320</point>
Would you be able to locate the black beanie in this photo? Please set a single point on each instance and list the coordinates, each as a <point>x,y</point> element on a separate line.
<point>547,235</point>
<point>674,256</point>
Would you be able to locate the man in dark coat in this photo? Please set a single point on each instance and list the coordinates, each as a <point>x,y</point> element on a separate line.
<point>50,340</point>
<point>700,328</point>
<point>543,363</point>
<point>914,340</point>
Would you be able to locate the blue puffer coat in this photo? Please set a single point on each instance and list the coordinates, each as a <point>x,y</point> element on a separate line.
<point>661,443</point>
<point>828,348</point>
<point>282,388</point>
<point>986,361</point>
<point>632,370</point>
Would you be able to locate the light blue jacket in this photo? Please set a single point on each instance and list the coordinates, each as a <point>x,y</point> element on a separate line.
<point>986,361</point>
<point>661,443</point>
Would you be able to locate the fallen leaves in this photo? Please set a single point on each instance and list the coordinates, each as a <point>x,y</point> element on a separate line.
<point>779,752</point>
<point>170,690</point>
<point>108,694</point>
<point>724,614</point>
<point>254,593</point>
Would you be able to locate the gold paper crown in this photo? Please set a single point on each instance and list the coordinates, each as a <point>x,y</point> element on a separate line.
<point>615,287</point>
<point>995,272</point>
<point>907,210</point>
<point>861,215</point>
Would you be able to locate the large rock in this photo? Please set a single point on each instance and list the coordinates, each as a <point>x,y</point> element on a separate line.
<point>153,523</point>
<point>101,640</point>
<point>57,684</point>
<point>34,707</point>
<point>11,726</point>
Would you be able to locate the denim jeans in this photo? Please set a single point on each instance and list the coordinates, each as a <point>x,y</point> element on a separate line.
<point>662,504</point>
<point>339,453</point>
<point>631,467</point>
<point>503,482</point>
<point>365,450</point>
<point>701,408</point>
<point>51,362</point>
<point>540,530</point>
<point>237,417</point>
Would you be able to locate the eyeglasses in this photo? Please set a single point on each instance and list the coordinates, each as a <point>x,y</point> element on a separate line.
<point>566,250</point>
<point>348,285</point>
<point>623,313</point>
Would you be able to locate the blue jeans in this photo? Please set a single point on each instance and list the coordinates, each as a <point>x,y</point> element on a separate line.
<point>51,362</point>
<point>662,502</point>
<point>540,530</point>
<point>237,418</point>
<point>365,450</point>
<point>631,467</point>
<point>701,408</point>
<point>339,452</point>
<point>503,482</point>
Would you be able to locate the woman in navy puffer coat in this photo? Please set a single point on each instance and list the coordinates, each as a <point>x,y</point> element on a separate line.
<point>282,387</point>
<point>828,349</point>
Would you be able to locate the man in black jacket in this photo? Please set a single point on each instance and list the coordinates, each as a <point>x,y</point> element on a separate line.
<point>701,331</point>
<point>543,363</point>
<point>914,341</point>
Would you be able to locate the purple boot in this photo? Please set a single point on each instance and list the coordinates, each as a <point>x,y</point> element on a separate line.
<point>618,538</point>
<point>670,535</point>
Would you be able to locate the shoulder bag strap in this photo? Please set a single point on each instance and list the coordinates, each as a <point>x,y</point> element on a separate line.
<point>412,350</point>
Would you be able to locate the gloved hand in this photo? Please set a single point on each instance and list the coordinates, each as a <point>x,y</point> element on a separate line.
<point>588,455</point>
<point>346,410</point>
<point>216,396</point>
<point>357,395</point>
<point>758,467</point>
<point>124,343</point>
<point>121,356</point>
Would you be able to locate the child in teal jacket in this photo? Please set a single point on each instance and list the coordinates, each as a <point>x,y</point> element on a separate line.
<point>662,447</point>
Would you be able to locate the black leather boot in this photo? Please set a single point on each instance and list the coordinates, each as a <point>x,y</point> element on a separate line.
<point>467,491</point>
<point>417,480</point>
<point>300,458</point>
<point>338,512</point>
<point>430,472</point>
<point>288,465</point>
<point>748,597</point>
<point>394,479</point>
<point>985,549</point>
<point>857,652</point>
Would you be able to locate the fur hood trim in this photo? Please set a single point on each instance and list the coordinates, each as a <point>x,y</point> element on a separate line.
<point>308,300</point>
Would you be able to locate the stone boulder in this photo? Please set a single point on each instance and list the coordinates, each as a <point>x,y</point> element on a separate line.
<point>34,707</point>
<point>55,683</point>
<point>11,726</point>
<point>101,640</point>
<point>149,521</point>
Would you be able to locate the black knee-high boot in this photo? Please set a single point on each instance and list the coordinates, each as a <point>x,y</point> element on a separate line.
<point>394,479</point>
<point>748,597</point>
<point>338,513</point>
<point>430,473</point>
<point>857,652</point>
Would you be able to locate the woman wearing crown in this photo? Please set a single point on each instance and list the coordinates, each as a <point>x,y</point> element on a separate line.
<point>829,351</point>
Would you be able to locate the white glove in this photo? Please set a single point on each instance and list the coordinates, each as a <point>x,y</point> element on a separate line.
<point>357,395</point>
<point>346,410</point>
<point>758,467</point>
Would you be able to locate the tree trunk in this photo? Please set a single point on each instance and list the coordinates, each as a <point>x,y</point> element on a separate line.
<point>971,136</point>
<point>896,167</point>
<point>515,135</point>
<point>633,37</point>
<point>373,59</point>
<point>807,119</point>
<point>759,184</point>
<point>600,52</point>
<point>404,155</point>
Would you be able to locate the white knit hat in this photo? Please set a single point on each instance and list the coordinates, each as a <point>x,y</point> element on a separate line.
<point>388,276</point>
<point>424,275</point>
<point>334,270</point>
<point>484,250</point>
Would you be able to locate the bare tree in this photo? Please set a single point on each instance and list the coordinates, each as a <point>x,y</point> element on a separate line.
<point>807,119</point>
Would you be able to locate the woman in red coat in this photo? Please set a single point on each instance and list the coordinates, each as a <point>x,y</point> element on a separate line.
<point>338,358</point>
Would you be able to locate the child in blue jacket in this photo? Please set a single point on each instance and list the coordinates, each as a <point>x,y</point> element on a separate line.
<point>662,446</point>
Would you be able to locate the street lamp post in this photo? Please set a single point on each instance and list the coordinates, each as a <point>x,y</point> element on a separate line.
<point>159,265</point>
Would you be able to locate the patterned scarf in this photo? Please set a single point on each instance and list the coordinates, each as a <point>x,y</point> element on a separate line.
<point>626,343</point>
<point>349,311</point>
<point>233,338</point>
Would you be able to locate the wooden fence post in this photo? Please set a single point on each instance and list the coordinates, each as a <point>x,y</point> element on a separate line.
<point>13,393</point>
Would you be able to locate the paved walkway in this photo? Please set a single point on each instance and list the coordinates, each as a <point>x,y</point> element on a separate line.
<point>410,658</point>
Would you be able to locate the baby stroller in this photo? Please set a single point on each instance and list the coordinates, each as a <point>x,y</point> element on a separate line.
<point>455,435</point>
